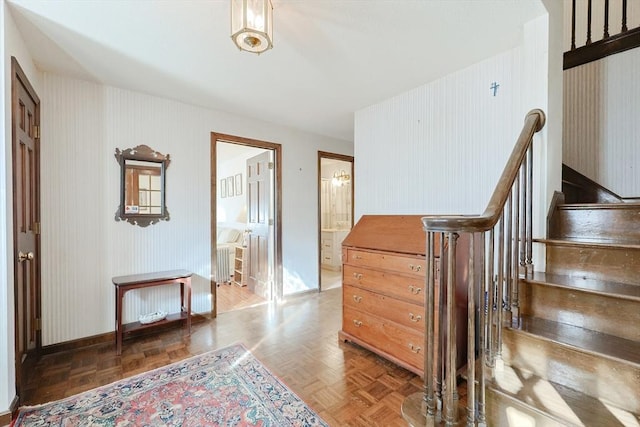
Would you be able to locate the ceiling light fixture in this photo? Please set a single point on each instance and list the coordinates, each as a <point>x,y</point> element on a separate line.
<point>252,25</point>
<point>340,178</point>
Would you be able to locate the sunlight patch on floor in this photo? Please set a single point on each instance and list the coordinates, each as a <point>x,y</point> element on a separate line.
<point>508,380</point>
<point>535,391</point>
<point>551,399</point>
<point>626,418</point>
<point>518,418</point>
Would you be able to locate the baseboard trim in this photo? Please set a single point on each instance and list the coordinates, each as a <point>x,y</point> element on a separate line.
<point>7,417</point>
<point>110,337</point>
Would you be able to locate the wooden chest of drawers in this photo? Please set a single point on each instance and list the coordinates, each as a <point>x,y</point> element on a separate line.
<point>384,277</point>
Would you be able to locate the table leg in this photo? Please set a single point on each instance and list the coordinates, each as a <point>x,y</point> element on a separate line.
<point>188,284</point>
<point>119,297</point>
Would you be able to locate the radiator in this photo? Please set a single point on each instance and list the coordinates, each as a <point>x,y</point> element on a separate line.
<point>223,272</point>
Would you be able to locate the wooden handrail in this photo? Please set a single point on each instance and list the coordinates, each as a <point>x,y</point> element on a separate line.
<point>534,122</point>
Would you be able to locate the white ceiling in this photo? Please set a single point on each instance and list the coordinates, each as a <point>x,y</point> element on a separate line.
<point>330,57</point>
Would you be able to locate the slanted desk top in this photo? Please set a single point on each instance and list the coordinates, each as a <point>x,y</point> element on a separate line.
<point>151,277</point>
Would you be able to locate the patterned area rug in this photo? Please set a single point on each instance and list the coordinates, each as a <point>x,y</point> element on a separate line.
<point>225,387</point>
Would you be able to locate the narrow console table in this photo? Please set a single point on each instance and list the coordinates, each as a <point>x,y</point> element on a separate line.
<point>139,281</point>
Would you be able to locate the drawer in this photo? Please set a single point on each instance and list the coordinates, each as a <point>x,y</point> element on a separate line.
<point>401,312</point>
<point>327,258</point>
<point>387,261</point>
<point>402,343</point>
<point>407,287</point>
<point>327,244</point>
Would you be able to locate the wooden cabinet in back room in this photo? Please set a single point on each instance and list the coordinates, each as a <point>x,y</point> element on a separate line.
<point>384,278</point>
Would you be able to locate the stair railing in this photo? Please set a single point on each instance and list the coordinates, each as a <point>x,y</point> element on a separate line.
<point>612,42</point>
<point>500,249</point>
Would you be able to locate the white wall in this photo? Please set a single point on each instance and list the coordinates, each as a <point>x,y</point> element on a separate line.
<point>602,100</point>
<point>440,148</point>
<point>83,247</point>
<point>12,45</point>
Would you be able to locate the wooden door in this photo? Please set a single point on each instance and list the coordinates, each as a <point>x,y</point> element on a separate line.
<point>259,182</point>
<point>25,112</point>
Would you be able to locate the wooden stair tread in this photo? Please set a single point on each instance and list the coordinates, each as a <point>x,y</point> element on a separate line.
<point>564,404</point>
<point>592,243</point>
<point>594,206</point>
<point>582,339</point>
<point>595,286</point>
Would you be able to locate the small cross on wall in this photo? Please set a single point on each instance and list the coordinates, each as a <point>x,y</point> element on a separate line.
<point>494,87</point>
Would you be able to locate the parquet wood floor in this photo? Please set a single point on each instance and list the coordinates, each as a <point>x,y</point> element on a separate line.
<point>297,340</point>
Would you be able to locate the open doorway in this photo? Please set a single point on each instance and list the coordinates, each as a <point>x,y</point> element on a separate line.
<point>335,214</point>
<point>245,222</point>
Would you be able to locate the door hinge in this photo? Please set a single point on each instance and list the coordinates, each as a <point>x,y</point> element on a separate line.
<point>38,324</point>
<point>36,228</point>
<point>270,165</point>
<point>36,132</point>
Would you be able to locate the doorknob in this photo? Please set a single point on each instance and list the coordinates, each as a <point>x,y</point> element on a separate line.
<point>25,256</point>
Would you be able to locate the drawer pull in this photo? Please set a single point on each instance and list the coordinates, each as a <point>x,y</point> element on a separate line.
<point>415,349</point>
<point>358,323</point>
<point>414,290</point>
<point>415,267</point>
<point>357,298</point>
<point>357,257</point>
<point>414,318</point>
<point>357,275</point>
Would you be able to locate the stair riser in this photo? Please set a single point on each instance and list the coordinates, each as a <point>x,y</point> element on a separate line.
<point>607,379</point>
<point>505,411</point>
<point>605,263</point>
<point>614,223</point>
<point>613,316</point>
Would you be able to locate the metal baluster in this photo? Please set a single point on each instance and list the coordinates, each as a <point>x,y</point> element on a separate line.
<point>491,298</point>
<point>429,397</point>
<point>481,331</point>
<point>440,330</point>
<point>588,23</point>
<point>450,409</point>
<point>605,34</point>
<point>515,303</point>
<point>624,15</point>
<point>471,336</point>
<point>523,222</point>
<point>500,287</point>
<point>508,258</point>
<point>573,24</point>
<point>529,268</point>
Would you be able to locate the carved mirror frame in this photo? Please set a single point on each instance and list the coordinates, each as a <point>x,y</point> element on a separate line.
<point>140,155</point>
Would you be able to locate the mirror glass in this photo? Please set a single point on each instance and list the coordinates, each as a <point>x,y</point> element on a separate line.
<point>142,187</point>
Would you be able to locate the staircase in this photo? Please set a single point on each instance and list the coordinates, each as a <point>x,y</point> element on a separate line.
<point>553,348</point>
<point>573,357</point>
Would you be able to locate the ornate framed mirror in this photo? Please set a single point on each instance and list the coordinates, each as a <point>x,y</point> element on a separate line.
<point>142,186</point>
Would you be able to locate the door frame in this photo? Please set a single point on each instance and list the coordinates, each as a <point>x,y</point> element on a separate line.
<point>277,191</point>
<point>331,156</point>
<point>18,77</point>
